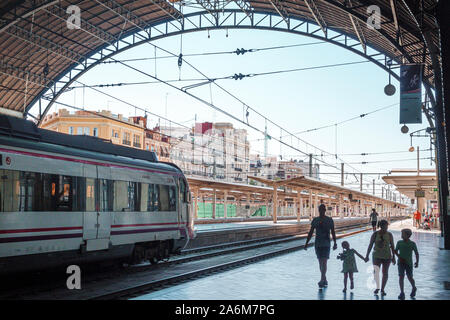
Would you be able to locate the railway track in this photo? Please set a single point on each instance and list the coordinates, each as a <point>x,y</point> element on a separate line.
<point>192,263</point>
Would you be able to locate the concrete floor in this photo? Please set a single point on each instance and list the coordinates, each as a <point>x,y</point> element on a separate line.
<point>294,276</point>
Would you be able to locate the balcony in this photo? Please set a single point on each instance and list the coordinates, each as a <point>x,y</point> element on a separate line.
<point>126,142</point>
<point>137,145</point>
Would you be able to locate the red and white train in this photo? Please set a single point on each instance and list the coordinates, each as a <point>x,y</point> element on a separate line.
<point>71,199</point>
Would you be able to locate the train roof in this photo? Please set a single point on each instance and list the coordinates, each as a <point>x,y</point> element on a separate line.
<point>23,133</point>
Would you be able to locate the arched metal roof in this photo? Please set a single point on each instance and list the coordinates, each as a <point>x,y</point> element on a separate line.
<point>37,49</point>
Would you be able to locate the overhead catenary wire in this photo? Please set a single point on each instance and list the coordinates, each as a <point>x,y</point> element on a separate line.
<point>238,52</point>
<point>215,107</point>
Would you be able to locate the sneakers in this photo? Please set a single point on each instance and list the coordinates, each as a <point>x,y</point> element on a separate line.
<point>413,292</point>
<point>401,296</point>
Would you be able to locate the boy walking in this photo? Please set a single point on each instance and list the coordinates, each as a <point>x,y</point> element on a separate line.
<point>403,251</point>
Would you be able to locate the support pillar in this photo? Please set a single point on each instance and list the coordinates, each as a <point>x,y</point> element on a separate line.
<point>275,203</point>
<point>300,209</point>
<point>214,204</point>
<point>225,203</point>
<point>316,204</point>
<point>195,203</point>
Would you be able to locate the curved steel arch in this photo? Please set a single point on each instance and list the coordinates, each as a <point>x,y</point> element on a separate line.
<point>231,19</point>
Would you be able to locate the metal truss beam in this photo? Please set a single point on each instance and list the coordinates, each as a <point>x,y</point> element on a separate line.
<point>33,7</point>
<point>276,4</point>
<point>231,19</point>
<point>395,18</point>
<point>92,29</point>
<point>358,29</point>
<point>206,4</point>
<point>168,9</point>
<point>22,74</point>
<point>245,7</point>
<point>316,14</point>
<point>44,43</point>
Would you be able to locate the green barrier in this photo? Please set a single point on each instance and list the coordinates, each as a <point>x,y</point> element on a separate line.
<point>260,212</point>
<point>205,210</point>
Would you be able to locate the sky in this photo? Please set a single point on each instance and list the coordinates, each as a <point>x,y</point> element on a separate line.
<point>296,101</point>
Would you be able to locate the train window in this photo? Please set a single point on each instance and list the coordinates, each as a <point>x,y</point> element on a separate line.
<point>120,196</point>
<point>134,196</point>
<point>172,199</point>
<point>183,191</point>
<point>9,190</point>
<point>153,203</point>
<point>144,197</point>
<point>106,195</point>
<point>30,191</point>
<point>164,197</point>
<point>90,194</point>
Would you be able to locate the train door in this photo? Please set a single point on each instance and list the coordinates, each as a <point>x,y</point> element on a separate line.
<point>183,203</point>
<point>90,213</point>
<point>105,196</point>
<point>97,216</point>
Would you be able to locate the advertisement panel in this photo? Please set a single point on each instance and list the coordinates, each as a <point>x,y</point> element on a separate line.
<point>411,93</point>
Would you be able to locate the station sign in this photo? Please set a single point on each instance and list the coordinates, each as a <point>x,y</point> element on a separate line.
<point>419,193</point>
<point>411,93</point>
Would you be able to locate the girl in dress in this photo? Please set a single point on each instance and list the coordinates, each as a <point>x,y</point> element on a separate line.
<point>348,263</point>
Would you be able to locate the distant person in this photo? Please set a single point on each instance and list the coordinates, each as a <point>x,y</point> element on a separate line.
<point>374,219</point>
<point>323,226</point>
<point>404,250</point>
<point>383,254</point>
<point>417,217</point>
<point>348,264</point>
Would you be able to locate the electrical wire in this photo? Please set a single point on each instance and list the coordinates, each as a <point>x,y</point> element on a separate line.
<point>215,107</point>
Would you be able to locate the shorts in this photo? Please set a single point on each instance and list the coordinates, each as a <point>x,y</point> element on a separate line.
<point>378,261</point>
<point>374,223</point>
<point>323,252</point>
<point>404,267</point>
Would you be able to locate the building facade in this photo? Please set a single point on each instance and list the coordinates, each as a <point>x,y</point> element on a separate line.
<point>211,150</point>
<point>131,132</point>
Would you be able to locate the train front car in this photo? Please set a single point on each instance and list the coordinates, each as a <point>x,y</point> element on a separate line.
<point>71,199</point>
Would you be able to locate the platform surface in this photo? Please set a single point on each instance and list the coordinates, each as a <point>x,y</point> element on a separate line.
<point>255,224</point>
<point>294,276</point>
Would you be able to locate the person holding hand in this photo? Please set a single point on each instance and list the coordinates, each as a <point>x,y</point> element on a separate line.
<point>324,226</point>
<point>383,254</point>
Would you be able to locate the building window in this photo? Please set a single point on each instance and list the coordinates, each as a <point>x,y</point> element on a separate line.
<point>86,131</point>
<point>80,130</point>
<point>126,139</point>
<point>95,132</point>
<point>70,130</point>
<point>136,141</point>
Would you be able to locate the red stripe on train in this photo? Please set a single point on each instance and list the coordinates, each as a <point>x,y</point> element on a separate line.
<point>39,230</point>
<point>145,224</point>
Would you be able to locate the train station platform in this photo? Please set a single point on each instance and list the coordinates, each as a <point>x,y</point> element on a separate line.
<point>208,234</point>
<point>294,276</point>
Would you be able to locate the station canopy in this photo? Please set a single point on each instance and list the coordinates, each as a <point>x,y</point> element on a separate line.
<point>38,50</point>
<point>409,184</point>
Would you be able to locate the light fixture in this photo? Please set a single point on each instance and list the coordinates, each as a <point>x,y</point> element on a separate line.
<point>411,149</point>
<point>404,129</point>
<point>389,90</point>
